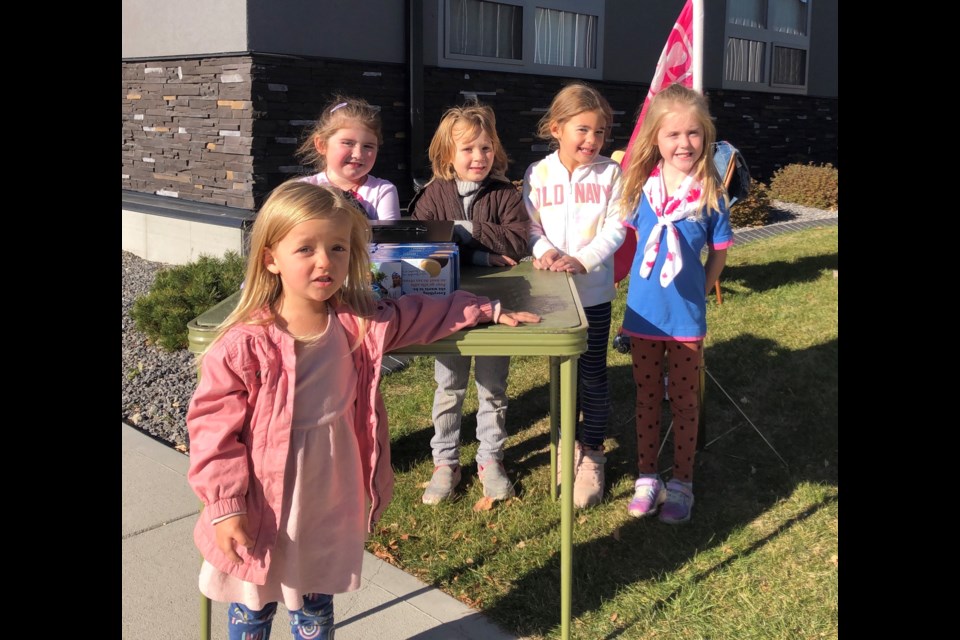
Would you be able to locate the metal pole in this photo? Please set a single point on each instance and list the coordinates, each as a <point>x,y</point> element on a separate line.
<point>415,37</point>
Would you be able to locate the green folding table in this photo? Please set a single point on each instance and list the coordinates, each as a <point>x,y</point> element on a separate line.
<point>561,335</point>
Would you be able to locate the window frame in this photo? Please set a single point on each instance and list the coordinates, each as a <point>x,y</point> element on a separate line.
<point>528,39</point>
<point>446,30</point>
<point>770,39</point>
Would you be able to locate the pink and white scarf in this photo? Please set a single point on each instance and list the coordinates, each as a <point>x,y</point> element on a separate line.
<point>669,209</point>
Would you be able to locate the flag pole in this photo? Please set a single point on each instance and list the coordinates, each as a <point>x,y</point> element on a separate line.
<point>697,62</point>
<point>680,61</point>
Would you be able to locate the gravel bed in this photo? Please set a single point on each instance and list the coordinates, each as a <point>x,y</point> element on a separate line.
<point>156,385</point>
<point>790,212</point>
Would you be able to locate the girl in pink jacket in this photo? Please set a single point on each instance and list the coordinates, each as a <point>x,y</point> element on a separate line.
<point>289,445</point>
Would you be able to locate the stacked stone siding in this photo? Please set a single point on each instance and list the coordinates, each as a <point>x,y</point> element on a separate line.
<point>225,130</point>
<point>188,130</point>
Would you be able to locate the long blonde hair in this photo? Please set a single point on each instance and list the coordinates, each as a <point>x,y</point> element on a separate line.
<point>465,123</point>
<point>287,206</point>
<point>645,155</point>
<point>573,99</point>
<point>341,112</point>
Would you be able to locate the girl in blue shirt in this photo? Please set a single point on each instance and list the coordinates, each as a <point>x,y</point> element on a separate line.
<point>676,205</point>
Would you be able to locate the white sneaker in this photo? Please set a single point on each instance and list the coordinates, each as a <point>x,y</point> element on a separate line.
<point>577,456</point>
<point>588,486</point>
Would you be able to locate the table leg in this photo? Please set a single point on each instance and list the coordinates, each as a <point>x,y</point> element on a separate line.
<point>204,617</point>
<point>554,421</point>
<point>568,427</point>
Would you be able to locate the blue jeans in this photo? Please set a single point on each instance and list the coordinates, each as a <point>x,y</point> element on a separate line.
<point>452,374</point>
<point>314,621</point>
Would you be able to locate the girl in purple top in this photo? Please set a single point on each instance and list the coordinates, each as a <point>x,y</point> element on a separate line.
<point>675,202</point>
<point>343,146</point>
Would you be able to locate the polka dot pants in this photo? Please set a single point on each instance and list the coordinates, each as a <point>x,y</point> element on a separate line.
<point>683,366</point>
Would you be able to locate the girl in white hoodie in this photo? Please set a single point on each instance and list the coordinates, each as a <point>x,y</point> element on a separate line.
<point>572,197</point>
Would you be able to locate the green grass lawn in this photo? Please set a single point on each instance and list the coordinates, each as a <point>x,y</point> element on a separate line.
<point>759,559</point>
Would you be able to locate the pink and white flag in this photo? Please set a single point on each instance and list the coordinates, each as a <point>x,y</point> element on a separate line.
<point>676,64</point>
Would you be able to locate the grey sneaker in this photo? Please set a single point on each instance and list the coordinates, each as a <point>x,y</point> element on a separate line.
<point>445,479</point>
<point>496,484</point>
<point>588,486</point>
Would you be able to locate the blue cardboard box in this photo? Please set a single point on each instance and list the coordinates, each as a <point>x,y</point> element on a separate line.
<point>429,268</point>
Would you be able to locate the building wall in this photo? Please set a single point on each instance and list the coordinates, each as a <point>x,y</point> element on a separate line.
<point>627,56</point>
<point>774,130</point>
<point>182,28</point>
<point>369,30</point>
<point>225,130</point>
<point>366,30</point>
<point>824,72</point>
<point>344,29</point>
<point>187,129</point>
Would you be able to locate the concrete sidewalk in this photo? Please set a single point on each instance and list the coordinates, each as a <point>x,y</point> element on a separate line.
<point>160,565</point>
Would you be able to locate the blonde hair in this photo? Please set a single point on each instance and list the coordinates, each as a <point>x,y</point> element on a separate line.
<point>573,99</point>
<point>287,206</point>
<point>466,122</point>
<point>645,154</point>
<point>340,113</point>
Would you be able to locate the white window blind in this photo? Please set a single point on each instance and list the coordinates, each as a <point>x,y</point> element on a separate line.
<point>767,44</point>
<point>789,66</point>
<point>488,29</point>
<point>747,13</point>
<point>789,16</point>
<point>565,38</point>
<point>743,61</point>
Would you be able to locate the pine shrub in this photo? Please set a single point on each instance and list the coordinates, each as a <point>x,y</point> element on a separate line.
<point>753,210</point>
<point>807,184</point>
<point>181,293</point>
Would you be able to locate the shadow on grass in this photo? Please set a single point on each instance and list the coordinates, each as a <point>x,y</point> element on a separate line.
<point>523,411</point>
<point>791,396</point>
<point>770,275</point>
<point>413,448</point>
<point>662,603</point>
<point>522,458</point>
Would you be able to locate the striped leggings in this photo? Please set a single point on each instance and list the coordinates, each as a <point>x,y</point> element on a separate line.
<point>593,390</point>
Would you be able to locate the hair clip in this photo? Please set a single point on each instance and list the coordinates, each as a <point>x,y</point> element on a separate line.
<point>342,104</point>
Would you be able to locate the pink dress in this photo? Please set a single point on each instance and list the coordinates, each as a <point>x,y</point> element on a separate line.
<point>323,521</point>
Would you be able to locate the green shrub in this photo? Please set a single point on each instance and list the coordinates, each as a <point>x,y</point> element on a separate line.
<point>180,294</point>
<point>752,211</point>
<point>807,184</point>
